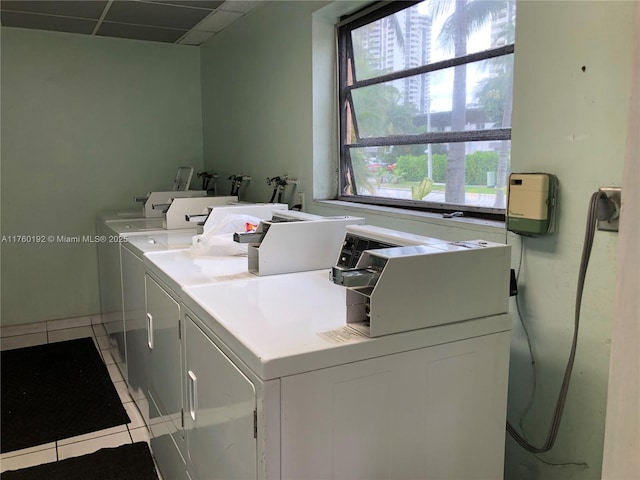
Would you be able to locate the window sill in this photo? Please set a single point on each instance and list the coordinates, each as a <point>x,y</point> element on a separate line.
<point>467,223</point>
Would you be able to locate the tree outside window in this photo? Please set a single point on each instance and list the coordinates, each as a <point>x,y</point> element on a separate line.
<point>425,104</point>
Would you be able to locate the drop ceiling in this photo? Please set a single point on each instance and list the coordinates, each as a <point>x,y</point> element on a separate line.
<point>183,22</point>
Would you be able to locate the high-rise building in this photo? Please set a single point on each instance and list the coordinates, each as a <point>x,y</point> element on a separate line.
<point>400,42</point>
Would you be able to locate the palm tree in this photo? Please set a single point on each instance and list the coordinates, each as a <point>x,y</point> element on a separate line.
<point>468,16</point>
<point>503,154</point>
<point>495,96</point>
<point>503,160</point>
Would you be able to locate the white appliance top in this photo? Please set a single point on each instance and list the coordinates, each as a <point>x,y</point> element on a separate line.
<point>158,242</point>
<point>123,215</point>
<point>179,268</point>
<point>293,323</point>
<point>137,225</point>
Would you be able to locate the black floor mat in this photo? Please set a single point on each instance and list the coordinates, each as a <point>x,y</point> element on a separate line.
<point>127,462</point>
<point>55,391</point>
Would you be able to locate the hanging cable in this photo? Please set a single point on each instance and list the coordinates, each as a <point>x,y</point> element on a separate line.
<point>529,344</point>
<point>592,219</point>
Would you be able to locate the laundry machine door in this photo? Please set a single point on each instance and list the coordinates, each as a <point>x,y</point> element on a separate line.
<point>219,412</point>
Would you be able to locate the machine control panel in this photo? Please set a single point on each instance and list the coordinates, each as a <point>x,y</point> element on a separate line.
<point>354,245</point>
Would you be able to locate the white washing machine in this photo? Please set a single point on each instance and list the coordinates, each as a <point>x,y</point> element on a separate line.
<point>134,307</point>
<point>167,274</point>
<point>112,234</point>
<point>113,230</point>
<point>277,386</point>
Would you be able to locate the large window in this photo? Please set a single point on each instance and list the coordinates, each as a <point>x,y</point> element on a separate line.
<point>425,104</point>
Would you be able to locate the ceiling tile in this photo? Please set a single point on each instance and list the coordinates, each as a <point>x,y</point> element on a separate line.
<point>79,9</point>
<point>154,14</point>
<point>242,6</point>
<point>140,32</point>
<point>218,20</point>
<point>195,37</point>
<point>171,20</point>
<point>208,4</point>
<point>47,22</point>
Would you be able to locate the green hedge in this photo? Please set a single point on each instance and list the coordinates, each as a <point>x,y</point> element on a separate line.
<point>413,168</point>
<point>477,165</point>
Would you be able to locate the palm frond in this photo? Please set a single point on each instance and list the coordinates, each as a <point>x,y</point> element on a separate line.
<point>480,12</point>
<point>440,8</point>
<point>447,36</point>
<point>397,30</point>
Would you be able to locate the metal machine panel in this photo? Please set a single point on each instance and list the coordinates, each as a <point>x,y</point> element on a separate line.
<point>301,243</point>
<point>359,238</point>
<point>259,210</point>
<point>219,413</point>
<point>397,289</point>
<point>154,200</point>
<point>440,287</point>
<point>174,217</point>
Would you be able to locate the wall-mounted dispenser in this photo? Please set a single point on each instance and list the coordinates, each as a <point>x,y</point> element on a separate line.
<point>531,203</point>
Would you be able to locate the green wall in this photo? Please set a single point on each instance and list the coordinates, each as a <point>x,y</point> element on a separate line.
<point>257,112</point>
<point>87,124</point>
<point>572,86</point>
<point>269,109</point>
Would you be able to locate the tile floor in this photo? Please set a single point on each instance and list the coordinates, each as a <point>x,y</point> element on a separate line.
<point>56,331</point>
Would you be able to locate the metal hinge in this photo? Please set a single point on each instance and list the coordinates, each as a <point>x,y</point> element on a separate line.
<point>255,423</point>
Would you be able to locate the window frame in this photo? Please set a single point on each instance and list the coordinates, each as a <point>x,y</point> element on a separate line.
<point>344,45</point>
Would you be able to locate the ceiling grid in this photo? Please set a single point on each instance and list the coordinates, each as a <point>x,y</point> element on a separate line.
<point>185,22</point>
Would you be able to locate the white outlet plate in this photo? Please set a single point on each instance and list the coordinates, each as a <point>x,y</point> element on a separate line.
<point>615,194</point>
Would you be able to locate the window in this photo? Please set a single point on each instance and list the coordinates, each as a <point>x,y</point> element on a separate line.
<point>425,104</point>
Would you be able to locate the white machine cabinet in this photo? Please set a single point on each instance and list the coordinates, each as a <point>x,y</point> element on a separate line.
<point>332,403</point>
<point>429,413</point>
<point>219,413</point>
<point>165,374</point>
